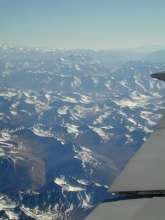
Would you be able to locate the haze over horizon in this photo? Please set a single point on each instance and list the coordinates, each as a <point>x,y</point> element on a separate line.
<point>84,24</point>
<point>140,48</point>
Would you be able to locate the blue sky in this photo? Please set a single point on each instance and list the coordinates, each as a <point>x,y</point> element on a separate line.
<point>93,24</point>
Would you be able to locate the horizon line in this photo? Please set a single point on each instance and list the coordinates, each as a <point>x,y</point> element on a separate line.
<point>138,47</point>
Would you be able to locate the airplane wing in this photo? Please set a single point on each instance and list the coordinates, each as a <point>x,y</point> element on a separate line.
<point>132,209</point>
<point>139,191</point>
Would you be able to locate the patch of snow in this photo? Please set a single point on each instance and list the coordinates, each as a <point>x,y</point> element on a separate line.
<point>1,115</point>
<point>11,215</point>
<point>124,83</point>
<point>101,118</point>
<point>13,113</point>
<point>80,111</point>
<point>63,110</point>
<point>61,181</point>
<point>41,107</point>
<point>37,130</point>
<point>132,121</point>
<point>85,99</point>
<point>98,184</point>
<point>151,118</point>
<point>76,82</point>
<point>122,113</point>
<point>147,130</point>
<point>129,138</point>
<point>68,210</point>
<point>83,182</point>
<point>77,67</point>
<point>86,156</point>
<point>136,100</point>
<point>130,128</point>
<point>72,129</point>
<point>69,99</point>
<point>137,81</point>
<point>48,97</point>
<point>5,135</point>
<point>140,99</point>
<point>101,132</point>
<point>86,201</point>
<point>126,103</point>
<point>8,93</point>
<point>39,215</point>
<point>8,206</point>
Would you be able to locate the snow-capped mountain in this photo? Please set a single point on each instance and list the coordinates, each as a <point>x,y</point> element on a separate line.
<point>68,124</point>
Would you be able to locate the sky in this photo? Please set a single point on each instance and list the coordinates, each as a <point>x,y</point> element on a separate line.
<point>82,24</point>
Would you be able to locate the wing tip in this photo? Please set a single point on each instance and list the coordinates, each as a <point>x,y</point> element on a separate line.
<point>159,75</point>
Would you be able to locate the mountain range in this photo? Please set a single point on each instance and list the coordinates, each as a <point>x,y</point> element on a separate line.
<point>69,122</point>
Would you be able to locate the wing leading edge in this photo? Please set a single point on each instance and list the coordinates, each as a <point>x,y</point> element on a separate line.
<point>141,185</point>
